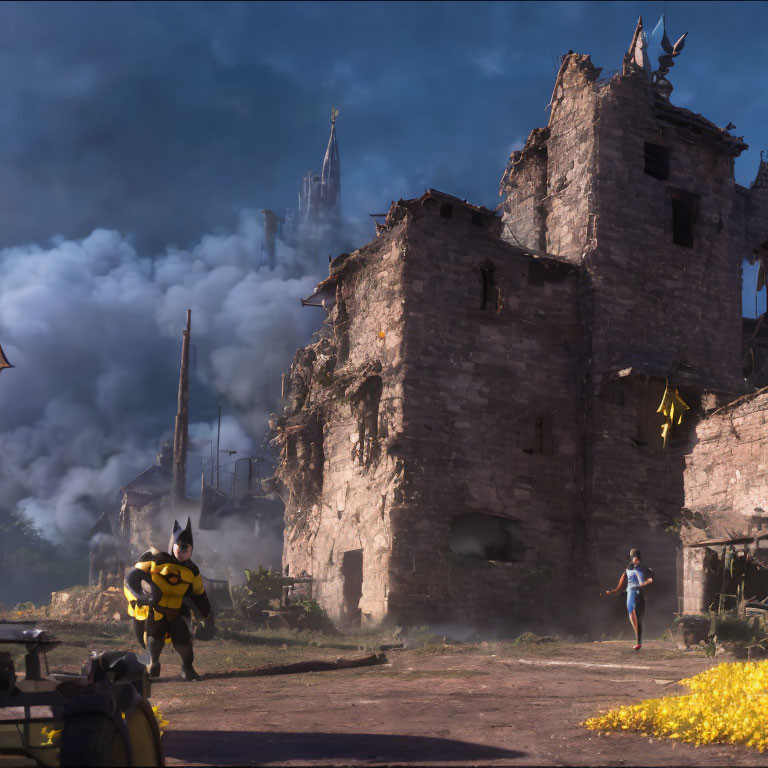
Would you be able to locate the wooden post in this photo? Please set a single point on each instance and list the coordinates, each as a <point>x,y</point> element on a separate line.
<point>218,448</point>
<point>182,419</point>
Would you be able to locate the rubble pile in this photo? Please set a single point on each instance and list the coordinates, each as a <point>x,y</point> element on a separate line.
<point>88,604</point>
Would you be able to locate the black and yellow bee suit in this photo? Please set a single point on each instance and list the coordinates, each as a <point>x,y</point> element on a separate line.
<point>162,612</point>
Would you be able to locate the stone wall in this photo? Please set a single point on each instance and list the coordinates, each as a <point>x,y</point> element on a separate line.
<point>489,413</point>
<point>349,384</point>
<point>477,414</point>
<point>665,297</point>
<point>726,473</point>
<point>143,522</point>
<point>635,493</point>
<point>571,158</point>
<point>726,477</point>
<point>524,186</point>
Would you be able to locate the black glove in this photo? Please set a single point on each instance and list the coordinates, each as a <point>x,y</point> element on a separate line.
<point>135,581</point>
<point>206,629</point>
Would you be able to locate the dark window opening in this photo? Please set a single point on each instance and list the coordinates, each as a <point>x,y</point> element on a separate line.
<point>684,210</point>
<point>657,161</point>
<point>367,407</point>
<point>446,210</point>
<point>615,392</point>
<point>540,438</point>
<point>477,219</point>
<point>487,274</point>
<point>479,536</point>
<point>648,394</point>
<point>540,272</point>
<point>352,590</point>
<point>536,273</point>
<point>430,205</point>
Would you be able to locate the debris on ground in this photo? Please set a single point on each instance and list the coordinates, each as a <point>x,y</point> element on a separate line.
<point>531,638</point>
<point>270,600</point>
<point>299,667</point>
<point>91,603</point>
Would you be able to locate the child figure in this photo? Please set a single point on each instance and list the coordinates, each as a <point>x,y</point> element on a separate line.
<point>635,578</point>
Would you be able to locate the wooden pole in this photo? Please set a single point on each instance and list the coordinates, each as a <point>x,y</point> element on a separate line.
<point>181,430</point>
<point>218,448</point>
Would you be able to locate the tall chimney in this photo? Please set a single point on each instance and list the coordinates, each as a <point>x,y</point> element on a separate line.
<point>182,419</point>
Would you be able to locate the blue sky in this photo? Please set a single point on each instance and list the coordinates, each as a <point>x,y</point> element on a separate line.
<point>165,120</point>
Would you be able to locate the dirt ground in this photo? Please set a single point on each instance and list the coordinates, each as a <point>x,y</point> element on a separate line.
<point>494,704</point>
<point>435,702</point>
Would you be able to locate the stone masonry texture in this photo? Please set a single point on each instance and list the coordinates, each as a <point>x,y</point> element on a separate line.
<point>477,419</point>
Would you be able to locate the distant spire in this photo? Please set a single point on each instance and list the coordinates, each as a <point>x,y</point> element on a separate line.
<point>330,176</point>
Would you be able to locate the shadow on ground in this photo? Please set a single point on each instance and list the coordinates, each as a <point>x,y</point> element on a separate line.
<point>259,748</point>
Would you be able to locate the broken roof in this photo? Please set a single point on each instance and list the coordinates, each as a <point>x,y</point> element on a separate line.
<point>743,539</point>
<point>102,525</point>
<point>154,480</point>
<point>427,205</point>
<point>684,117</point>
<point>324,294</point>
<point>678,373</point>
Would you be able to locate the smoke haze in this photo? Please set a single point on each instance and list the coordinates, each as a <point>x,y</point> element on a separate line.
<point>94,331</point>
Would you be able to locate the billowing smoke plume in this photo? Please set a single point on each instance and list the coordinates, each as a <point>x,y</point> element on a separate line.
<point>94,331</point>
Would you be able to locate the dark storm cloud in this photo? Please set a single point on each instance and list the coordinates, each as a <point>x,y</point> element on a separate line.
<point>138,127</point>
<point>163,120</point>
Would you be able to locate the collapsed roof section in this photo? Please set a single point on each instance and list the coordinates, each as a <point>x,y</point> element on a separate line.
<point>432,203</point>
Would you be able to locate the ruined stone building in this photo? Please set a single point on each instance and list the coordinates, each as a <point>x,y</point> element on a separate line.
<point>474,437</point>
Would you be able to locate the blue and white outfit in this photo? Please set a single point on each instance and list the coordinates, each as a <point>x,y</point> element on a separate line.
<point>636,575</point>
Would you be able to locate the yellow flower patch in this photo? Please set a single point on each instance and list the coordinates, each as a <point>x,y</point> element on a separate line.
<point>728,704</point>
<point>162,723</point>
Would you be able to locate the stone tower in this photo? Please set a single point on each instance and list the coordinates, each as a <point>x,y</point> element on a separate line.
<point>641,195</point>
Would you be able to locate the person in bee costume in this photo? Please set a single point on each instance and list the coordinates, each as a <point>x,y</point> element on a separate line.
<point>173,581</point>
